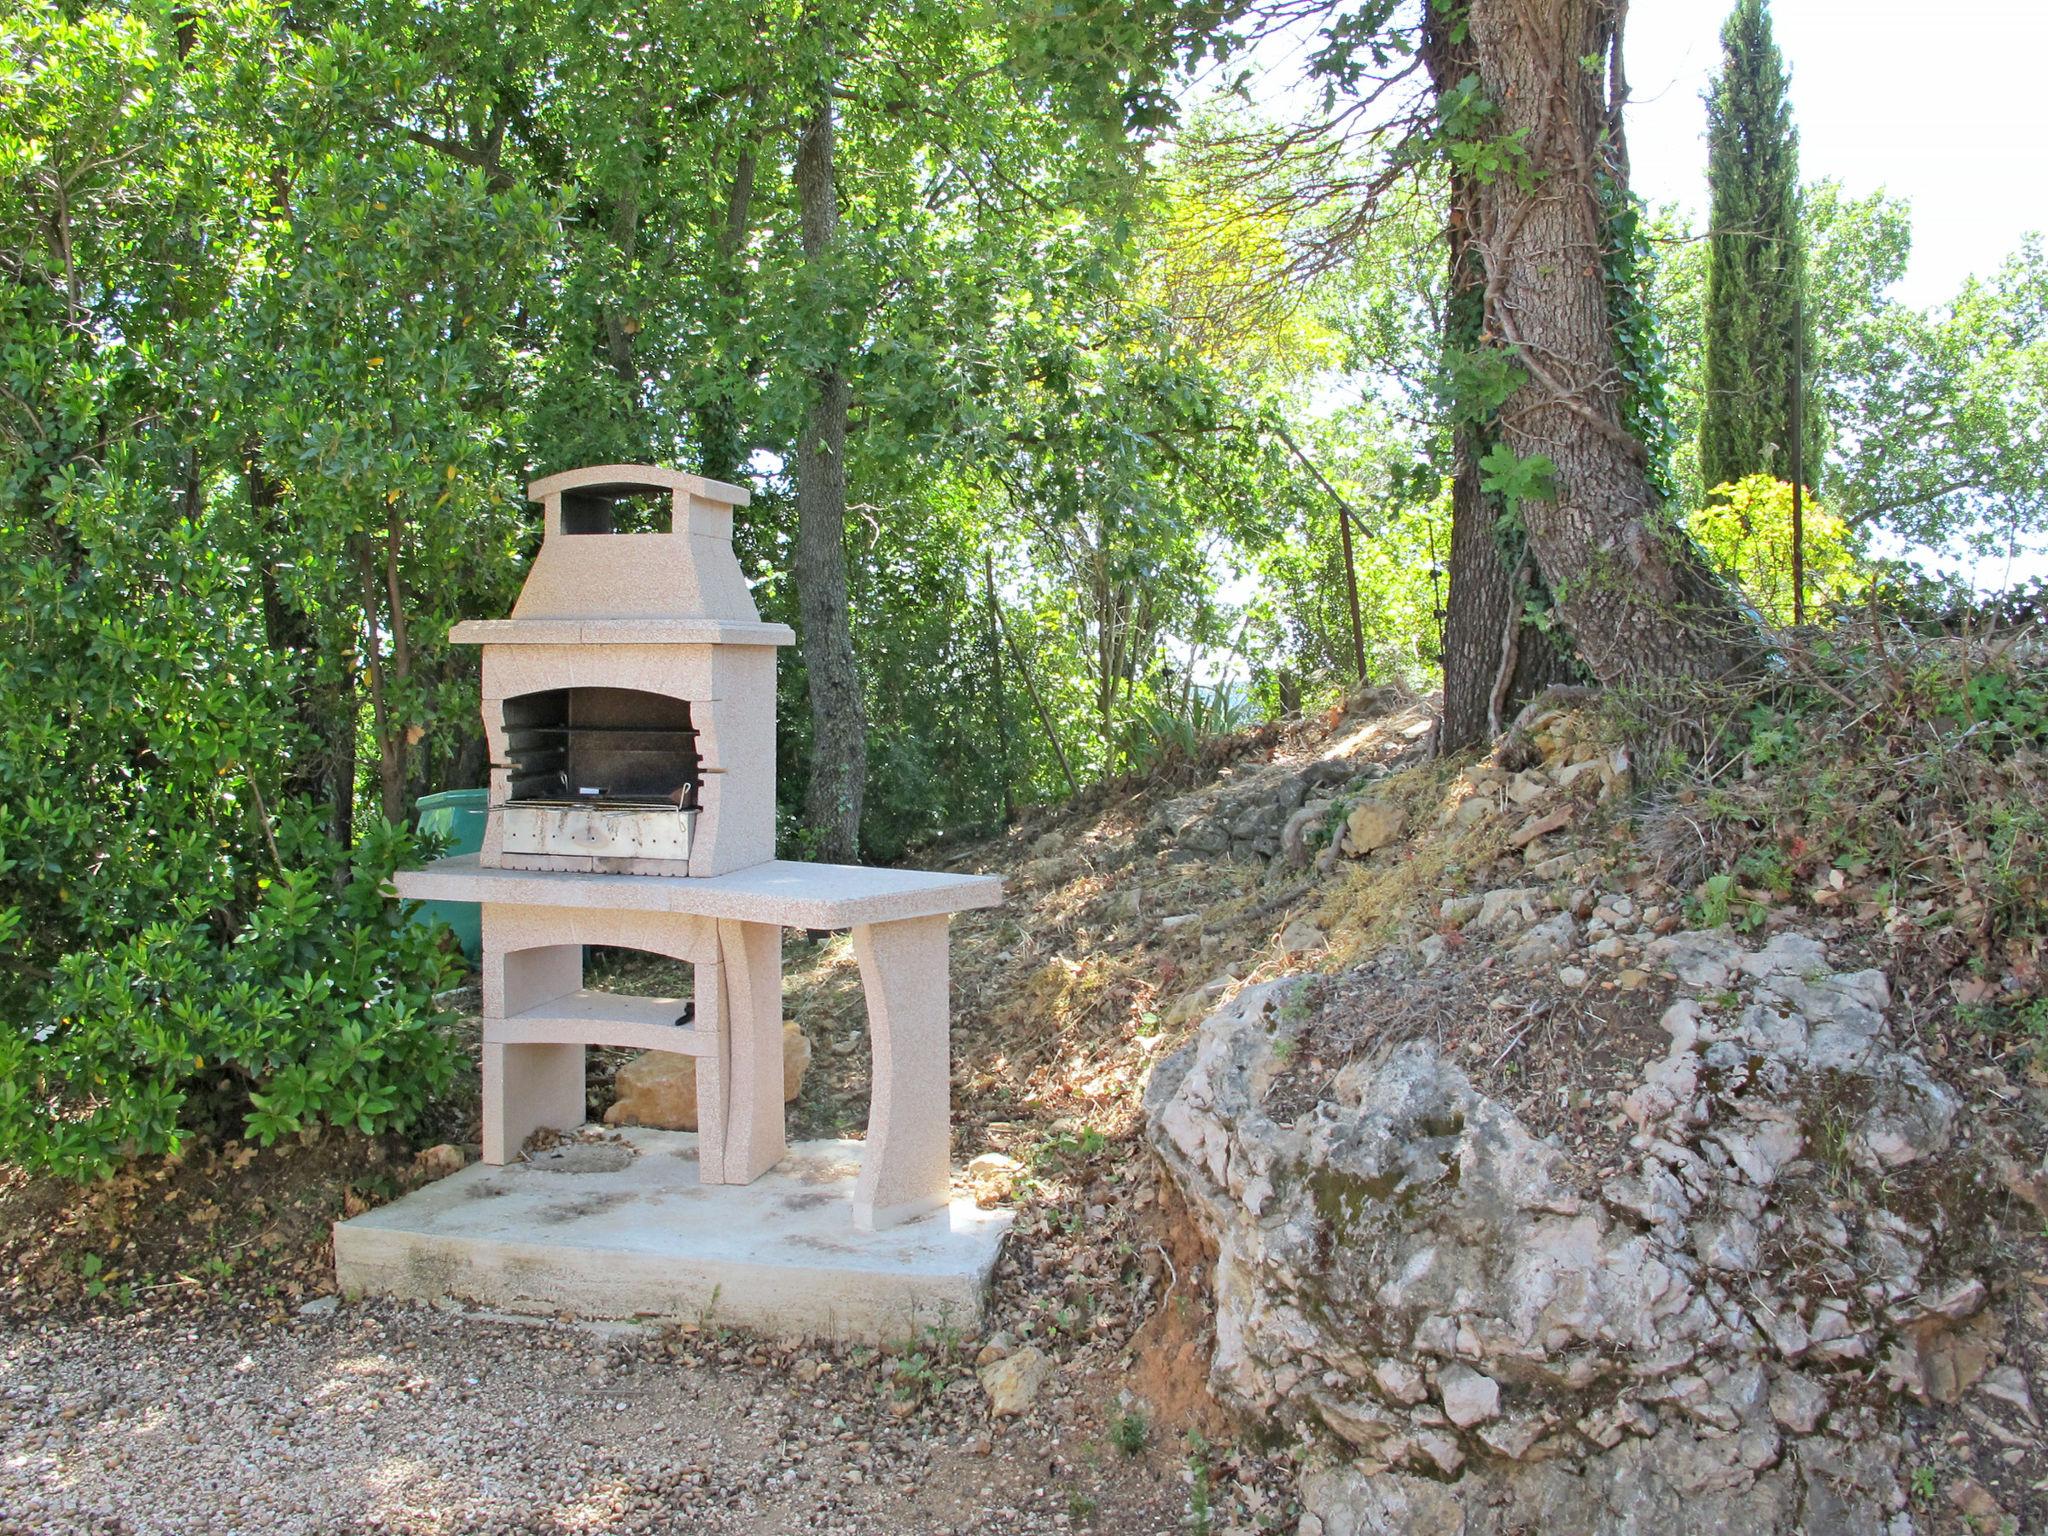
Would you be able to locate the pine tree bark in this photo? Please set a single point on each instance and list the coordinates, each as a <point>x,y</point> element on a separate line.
<point>839,756</point>
<point>1639,601</point>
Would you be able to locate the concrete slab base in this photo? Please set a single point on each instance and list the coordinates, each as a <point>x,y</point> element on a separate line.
<point>625,1231</point>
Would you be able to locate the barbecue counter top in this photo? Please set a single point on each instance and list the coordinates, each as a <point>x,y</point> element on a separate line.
<point>780,891</point>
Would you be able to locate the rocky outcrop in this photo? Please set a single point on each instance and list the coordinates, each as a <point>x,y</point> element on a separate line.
<point>1500,1333</point>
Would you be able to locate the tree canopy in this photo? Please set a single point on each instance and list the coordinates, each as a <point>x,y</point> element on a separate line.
<point>1088,413</point>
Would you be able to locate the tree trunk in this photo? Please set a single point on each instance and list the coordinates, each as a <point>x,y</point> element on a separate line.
<point>323,771</point>
<point>723,433</point>
<point>839,754</point>
<point>1484,634</point>
<point>1638,600</point>
<point>1485,600</point>
<point>998,703</point>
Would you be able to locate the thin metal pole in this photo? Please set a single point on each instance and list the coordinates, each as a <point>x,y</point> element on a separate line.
<point>1344,529</point>
<point>1351,593</point>
<point>1798,459</point>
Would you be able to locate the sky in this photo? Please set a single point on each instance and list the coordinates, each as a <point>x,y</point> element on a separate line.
<point>1941,104</point>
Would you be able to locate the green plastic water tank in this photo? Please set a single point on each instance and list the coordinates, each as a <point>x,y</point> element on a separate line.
<point>456,814</point>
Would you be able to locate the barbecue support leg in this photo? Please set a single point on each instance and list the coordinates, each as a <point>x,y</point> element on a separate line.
<point>752,961</point>
<point>904,1172</point>
<point>527,1087</point>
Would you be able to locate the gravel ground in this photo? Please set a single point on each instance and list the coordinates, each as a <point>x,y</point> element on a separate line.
<point>391,1419</point>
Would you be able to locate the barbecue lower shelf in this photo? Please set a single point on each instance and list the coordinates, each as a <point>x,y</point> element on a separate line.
<point>617,1019</point>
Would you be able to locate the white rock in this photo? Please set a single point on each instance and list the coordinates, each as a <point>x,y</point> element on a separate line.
<point>1546,943</point>
<point>1013,1381</point>
<point>1400,1381</point>
<point>1469,1398</point>
<point>1507,909</point>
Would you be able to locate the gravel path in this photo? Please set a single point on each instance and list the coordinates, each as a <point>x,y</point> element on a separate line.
<point>387,1419</point>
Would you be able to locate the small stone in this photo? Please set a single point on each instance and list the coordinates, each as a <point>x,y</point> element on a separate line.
<point>1440,1448</point>
<point>1632,980</point>
<point>438,1162</point>
<point>1013,1381</point>
<point>1974,1501</point>
<point>1514,1438</point>
<point>320,1306</point>
<point>1469,811</point>
<point>1372,825</point>
<point>1963,1299</point>
<point>1178,920</point>
<point>2008,1385</point>
<point>1540,826</point>
<point>993,1165</point>
<point>1301,937</point>
<point>1469,1398</point>
<point>1797,1402</point>
<point>1507,909</point>
<point>1400,1381</point>
<point>1459,910</point>
<point>1571,976</point>
<point>659,1088</point>
<point>1547,942</point>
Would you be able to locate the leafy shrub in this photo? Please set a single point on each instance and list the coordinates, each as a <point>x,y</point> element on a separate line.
<point>1746,529</point>
<point>186,948</point>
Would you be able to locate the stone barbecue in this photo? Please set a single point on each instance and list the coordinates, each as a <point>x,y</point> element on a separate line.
<point>629,701</point>
<point>629,709</point>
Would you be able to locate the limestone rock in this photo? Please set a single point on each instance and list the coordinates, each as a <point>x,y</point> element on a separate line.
<point>1469,1398</point>
<point>659,1088</point>
<point>1389,1257</point>
<point>1014,1381</point>
<point>1372,825</point>
<point>1301,937</point>
<point>1506,910</point>
<point>1797,1401</point>
<point>1546,943</point>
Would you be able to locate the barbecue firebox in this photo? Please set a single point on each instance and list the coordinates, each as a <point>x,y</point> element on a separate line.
<point>629,701</point>
<point>600,771</point>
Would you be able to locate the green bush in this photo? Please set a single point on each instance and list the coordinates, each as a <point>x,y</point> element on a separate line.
<point>185,948</point>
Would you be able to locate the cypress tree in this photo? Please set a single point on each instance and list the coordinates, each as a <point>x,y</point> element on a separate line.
<point>1756,267</point>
